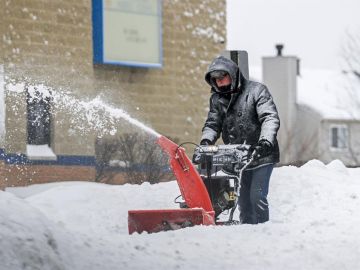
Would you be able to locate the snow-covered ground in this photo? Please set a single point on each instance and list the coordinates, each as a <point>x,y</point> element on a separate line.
<point>314,224</point>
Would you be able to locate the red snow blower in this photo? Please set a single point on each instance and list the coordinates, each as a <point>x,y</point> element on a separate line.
<point>207,191</point>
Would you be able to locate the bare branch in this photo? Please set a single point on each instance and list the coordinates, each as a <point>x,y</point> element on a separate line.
<point>137,156</point>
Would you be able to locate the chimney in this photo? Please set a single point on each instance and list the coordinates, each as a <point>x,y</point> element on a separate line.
<point>279,48</point>
<point>280,76</point>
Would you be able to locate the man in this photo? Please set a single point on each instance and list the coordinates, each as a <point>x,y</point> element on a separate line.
<point>244,111</point>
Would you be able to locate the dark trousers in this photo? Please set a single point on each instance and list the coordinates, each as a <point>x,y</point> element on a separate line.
<point>253,204</point>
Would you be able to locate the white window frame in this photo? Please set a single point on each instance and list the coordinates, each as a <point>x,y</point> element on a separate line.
<point>346,133</point>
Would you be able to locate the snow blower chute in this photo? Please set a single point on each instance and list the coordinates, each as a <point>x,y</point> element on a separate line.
<point>205,196</point>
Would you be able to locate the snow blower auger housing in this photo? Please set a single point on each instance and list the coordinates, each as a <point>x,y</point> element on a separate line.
<point>205,196</point>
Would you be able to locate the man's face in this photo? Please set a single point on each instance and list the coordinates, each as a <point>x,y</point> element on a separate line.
<point>224,81</point>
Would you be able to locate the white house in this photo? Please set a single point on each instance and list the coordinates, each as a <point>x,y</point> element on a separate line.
<point>319,110</point>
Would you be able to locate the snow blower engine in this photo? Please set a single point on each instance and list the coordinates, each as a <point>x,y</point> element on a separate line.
<point>207,191</point>
<point>220,168</point>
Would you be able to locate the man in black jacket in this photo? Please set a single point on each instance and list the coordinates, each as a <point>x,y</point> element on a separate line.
<point>244,111</point>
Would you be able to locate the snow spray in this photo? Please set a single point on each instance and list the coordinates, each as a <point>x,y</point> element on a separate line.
<point>97,113</point>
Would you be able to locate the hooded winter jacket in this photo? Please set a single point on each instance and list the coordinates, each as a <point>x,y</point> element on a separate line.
<point>247,115</point>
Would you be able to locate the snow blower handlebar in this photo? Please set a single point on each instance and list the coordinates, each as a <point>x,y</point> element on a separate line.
<point>227,157</point>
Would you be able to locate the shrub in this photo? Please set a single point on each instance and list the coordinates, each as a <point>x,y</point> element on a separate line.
<point>137,156</point>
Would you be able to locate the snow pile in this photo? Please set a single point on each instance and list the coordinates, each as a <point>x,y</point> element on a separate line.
<point>29,240</point>
<point>314,218</point>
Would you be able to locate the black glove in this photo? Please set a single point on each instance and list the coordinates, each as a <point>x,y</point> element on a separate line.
<point>262,149</point>
<point>196,156</point>
<point>205,142</point>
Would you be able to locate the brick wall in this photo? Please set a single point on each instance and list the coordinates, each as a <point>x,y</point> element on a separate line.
<point>2,175</point>
<point>51,42</point>
<point>23,175</point>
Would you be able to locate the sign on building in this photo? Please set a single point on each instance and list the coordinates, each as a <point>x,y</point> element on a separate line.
<point>127,32</point>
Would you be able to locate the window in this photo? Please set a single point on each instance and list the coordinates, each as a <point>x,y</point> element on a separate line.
<point>38,115</point>
<point>39,123</point>
<point>339,137</point>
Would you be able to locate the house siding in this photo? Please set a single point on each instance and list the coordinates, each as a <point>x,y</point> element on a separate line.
<point>307,134</point>
<point>349,156</point>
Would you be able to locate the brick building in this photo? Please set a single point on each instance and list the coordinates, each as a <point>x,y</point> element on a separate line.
<point>48,44</point>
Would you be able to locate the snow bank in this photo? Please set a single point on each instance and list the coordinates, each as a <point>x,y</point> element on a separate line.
<point>28,239</point>
<point>314,218</point>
